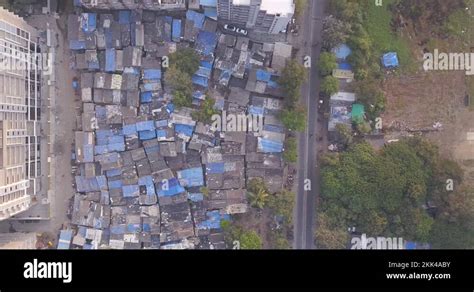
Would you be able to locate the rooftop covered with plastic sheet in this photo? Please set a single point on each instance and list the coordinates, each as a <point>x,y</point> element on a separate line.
<point>88,22</point>
<point>65,237</point>
<point>200,80</point>
<point>169,188</point>
<point>93,184</point>
<point>342,51</point>
<point>124,16</point>
<point>150,74</point>
<point>208,3</point>
<point>145,126</point>
<point>269,146</point>
<point>206,43</point>
<point>214,220</point>
<point>177,30</point>
<point>186,130</point>
<point>196,17</point>
<point>192,177</point>
<point>390,60</point>
<point>131,191</point>
<point>147,181</point>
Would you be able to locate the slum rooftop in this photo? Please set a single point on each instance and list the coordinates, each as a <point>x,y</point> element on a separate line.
<point>149,175</point>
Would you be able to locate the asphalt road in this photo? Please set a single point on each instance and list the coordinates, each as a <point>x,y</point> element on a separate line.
<point>308,141</point>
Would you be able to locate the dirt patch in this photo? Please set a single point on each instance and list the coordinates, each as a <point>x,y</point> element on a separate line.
<point>420,101</point>
<point>260,221</point>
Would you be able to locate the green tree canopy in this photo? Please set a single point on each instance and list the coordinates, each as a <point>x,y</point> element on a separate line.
<point>257,193</point>
<point>181,86</point>
<point>383,193</point>
<point>291,79</point>
<point>282,204</point>
<point>185,60</point>
<point>250,240</point>
<point>330,85</point>
<point>327,63</point>
<point>294,119</point>
<point>206,111</point>
<point>291,150</point>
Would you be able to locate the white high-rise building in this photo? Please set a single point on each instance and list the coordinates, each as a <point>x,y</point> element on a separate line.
<point>271,16</point>
<point>19,114</point>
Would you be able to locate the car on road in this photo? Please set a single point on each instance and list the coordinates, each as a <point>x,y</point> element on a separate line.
<point>231,28</point>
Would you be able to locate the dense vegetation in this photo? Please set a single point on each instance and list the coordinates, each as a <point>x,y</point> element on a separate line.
<point>400,191</point>
<point>183,64</point>
<point>292,78</point>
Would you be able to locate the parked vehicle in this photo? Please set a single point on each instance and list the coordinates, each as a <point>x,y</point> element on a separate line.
<point>232,28</point>
<point>242,31</point>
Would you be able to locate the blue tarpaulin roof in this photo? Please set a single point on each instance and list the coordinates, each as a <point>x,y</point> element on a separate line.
<point>184,129</point>
<point>206,64</point>
<point>200,80</point>
<point>146,227</point>
<point>192,177</point>
<point>256,110</point>
<point>170,108</point>
<point>109,41</point>
<point>146,97</point>
<point>204,72</point>
<point>129,130</point>
<point>206,42</point>
<point>214,220</point>
<point>113,172</point>
<point>209,3</point>
<point>131,191</point>
<point>176,32</point>
<point>269,146</point>
<point>199,95</point>
<point>65,237</point>
<point>273,84</point>
<point>110,60</point>
<point>210,12</point>
<point>161,123</point>
<point>133,227</point>
<point>124,16</point>
<point>88,153</point>
<point>145,126</point>
<point>173,188</point>
<point>263,75</point>
<point>147,135</point>
<point>198,18</point>
<point>161,133</point>
<point>344,66</point>
<point>273,128</point>
<point>77,45</point>
<point>147,181</point>
<point>390,60</point>
<point>88,22</point>
<point>93,184</point>
<point>118,229</point>
<point>342,52</point>
<point>196,197</point>
<point>115,184</point>
<point>215,168</point>
<point>152,74</point>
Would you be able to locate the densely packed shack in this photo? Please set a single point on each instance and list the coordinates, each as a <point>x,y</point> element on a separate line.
<point>149,174</point>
